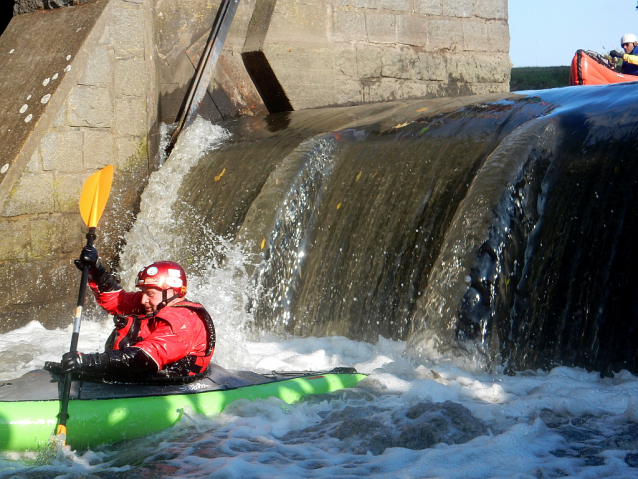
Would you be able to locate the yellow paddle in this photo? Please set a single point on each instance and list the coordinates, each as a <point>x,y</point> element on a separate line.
<point>93,198</point>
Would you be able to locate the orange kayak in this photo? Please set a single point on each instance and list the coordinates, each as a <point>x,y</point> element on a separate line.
<point>591,68</point>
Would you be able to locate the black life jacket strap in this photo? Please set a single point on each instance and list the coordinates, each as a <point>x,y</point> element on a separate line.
<point>132,335</point>
<point>165,301</point>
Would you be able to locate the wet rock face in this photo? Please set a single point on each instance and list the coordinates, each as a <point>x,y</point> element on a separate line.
<point>27,6</point>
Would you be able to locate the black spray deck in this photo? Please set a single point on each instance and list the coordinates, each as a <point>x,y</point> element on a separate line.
<point>42,385</point>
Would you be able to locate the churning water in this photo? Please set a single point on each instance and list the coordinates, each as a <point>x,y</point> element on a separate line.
<point>427,413</point>
<point>405,420</point>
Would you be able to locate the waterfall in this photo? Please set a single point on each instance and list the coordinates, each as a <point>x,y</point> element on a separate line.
<point>494,231</point>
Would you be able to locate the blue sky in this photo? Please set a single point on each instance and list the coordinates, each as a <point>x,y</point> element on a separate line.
<point>548,32</point>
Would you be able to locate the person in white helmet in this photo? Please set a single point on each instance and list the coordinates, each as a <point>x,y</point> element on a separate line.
<point>629,55</point>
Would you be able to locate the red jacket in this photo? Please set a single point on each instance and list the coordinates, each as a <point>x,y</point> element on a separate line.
<point>174,333</point>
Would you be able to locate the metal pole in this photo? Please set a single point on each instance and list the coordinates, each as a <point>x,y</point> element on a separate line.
<point>205,68</point>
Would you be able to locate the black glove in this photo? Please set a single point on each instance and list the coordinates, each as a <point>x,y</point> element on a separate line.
<point>97,272</point>
<point>616,54</point>
<point>73,362</point>
<point>89,258</point>
<point>126,362</point>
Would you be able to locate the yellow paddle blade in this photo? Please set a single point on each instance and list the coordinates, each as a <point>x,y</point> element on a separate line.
<point>94,194</point>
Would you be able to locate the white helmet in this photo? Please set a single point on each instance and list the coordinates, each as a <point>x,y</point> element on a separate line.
<point>628,38</point>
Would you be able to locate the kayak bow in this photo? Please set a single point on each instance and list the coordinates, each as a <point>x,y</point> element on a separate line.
<point>591,68</point>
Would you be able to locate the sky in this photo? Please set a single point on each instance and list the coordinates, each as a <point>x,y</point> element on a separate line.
<point>548,32</point>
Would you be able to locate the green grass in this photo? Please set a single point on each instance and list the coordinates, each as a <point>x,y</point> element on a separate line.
<point>539,78</point>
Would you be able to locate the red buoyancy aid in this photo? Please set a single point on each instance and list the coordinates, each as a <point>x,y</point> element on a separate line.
<point>180,338</point>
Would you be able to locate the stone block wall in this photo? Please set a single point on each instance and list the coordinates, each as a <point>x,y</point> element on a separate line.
<point>102,111</point>
<point>182,29</point>
<point>344,52</point>
<point>299,54</point>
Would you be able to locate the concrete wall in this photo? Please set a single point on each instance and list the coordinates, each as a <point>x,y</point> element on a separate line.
<point>306,54</point>
<point>86,86</point>
<point>79,93</point>
<point>182,28</point>
<point>341,52</point>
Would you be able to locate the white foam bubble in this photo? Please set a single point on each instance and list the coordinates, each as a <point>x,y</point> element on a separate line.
<point>158,198</point>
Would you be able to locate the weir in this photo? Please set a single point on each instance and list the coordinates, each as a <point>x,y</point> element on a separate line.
<point>89,84</point>
<point>493,229</point>
<point>497,230</point>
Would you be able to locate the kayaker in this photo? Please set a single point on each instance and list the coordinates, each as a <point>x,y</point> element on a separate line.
<point>157,331</point>
<point>629,55</point>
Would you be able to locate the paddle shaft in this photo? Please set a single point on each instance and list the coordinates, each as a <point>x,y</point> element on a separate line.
<point>64,406</point>
<point>205,68</point>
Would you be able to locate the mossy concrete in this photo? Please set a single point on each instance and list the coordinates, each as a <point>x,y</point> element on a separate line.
<point>87,75</point>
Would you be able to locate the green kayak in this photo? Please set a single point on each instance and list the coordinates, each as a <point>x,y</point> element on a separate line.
<point>104,413</point>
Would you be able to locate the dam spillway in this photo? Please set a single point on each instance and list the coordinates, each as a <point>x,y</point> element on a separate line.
<point>496,230</point>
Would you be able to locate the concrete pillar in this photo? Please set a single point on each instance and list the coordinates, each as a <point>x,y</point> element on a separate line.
<point>79,92</point>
